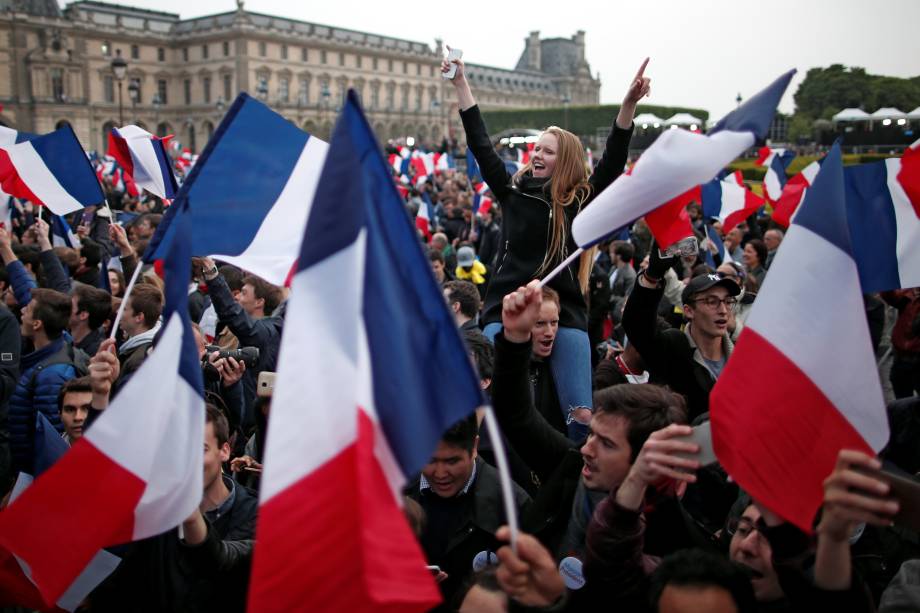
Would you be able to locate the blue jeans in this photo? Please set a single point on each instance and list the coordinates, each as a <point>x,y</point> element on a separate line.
<point>570,363</point>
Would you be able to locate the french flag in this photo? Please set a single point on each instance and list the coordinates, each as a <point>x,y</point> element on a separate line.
<point>775,180</point>
<point>51,170</point>
<point>143,156</point>
<point>425,215</point>
<point>676,162</point>
<point>443,162</point>
<point>713,238</point>
<point>766,155</point>
<point>250,193</point>
<point>793,193</point>
<point>331,534</point>
<point>884,225</point>
<point>909,177</point>
<point>136,472</point>
<point>729,202</point>
<point>62,235</point>
<point>472,168</point>
<point>781,411</point>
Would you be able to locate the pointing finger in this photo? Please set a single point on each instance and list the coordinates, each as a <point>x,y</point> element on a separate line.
<point>642,68</point>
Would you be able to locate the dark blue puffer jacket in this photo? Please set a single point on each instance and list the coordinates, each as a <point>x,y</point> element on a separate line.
<point>43,374</point>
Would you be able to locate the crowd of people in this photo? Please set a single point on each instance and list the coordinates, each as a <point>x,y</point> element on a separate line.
<point>596,380</point>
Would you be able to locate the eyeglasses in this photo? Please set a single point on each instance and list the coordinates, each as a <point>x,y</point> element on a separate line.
<point>713,302</point>
<point>581,415</point>
<point>742,526</point>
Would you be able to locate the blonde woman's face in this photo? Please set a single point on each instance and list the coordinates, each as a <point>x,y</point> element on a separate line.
<point>544,155</point>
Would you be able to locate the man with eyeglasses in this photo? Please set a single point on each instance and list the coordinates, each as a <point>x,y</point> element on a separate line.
<point>688,361</point>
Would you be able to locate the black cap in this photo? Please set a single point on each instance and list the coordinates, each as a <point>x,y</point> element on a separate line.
<point>701,283</point>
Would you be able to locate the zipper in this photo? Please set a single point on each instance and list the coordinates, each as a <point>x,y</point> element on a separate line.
<point>504,257</point>
<point>549,228</point>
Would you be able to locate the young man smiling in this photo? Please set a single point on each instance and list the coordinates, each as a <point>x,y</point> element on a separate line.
<point>688,361</point>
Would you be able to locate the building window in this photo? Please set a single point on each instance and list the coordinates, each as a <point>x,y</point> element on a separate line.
<point>390,65</point>
<point>303,97</point>
<point>135,85</point>
<point>341,59</point>
<point>108,88</point>
<point>284,52</point>
<point>284,89</point>
<point>204,52</point>
<point>228,88</point>
<point>184,54</point>
<point>57,84</point>
<point>405,97</point>
<point>375,95</point>
<point>206,89</point>
<point>418,69</point>
<point>304,54</point>
<point>135,52</point>
<point>161,54</point>
<point>419,95</point>
<point>187,90</point>
<point>405,68</point>
<point>106,48</point>
<point>358,59</point>
<point>263,49</point>
<point>161,91</point>
<point>226,47</point>
<point>391,95</point>
<point>322,56</point>
<point>375,63</point>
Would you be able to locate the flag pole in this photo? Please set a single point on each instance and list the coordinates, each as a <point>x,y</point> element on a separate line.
<point>498,447</point>
<point>124,300</point>
<point>560,268</point>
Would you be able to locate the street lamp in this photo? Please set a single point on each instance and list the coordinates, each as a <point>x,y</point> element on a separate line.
<point>262,88</point>
<point>738,99</point>
<point>119,69</point>
<point>565,106</point>
<point>325,94</point>
<point>134,90</point>
<point>156,113</point>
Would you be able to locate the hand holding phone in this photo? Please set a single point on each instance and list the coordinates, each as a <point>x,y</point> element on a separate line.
<point>452,56</point>
<point>702,437</point>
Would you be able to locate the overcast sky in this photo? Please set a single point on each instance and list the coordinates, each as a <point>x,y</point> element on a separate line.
<point>703,52</point>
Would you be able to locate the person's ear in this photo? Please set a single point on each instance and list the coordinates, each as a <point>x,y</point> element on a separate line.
<point>225,452</point>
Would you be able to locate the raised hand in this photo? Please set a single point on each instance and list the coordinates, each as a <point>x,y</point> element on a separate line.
<point>529,575</point>
<point>660,459</point>
<point>520,312</point>
<point>640,86</point>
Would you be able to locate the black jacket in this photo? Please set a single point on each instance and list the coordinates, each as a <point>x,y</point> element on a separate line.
<point>553,458</point>
<point>474,531</point>
<point>669,355</point>
<point>526,216</point>
<point>490,240</point>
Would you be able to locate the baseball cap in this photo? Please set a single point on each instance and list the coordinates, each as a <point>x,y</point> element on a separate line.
<point>701,283</point>
<point>465,256</point>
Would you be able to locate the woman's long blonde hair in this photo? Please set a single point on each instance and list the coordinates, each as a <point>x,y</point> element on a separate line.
<point>568,185</point>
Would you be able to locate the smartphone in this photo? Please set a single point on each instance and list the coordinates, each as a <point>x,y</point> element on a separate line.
<point>434,570</point>
<point>904,488</point>
<point>87,216</point>
<point>702,436</point>
<point>455,54</point>
<point>265,385</point>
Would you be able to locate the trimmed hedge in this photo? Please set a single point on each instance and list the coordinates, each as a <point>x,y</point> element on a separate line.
<point>583,120</point>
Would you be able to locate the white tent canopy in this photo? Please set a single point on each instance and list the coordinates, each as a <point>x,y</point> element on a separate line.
<point>852,115</point>
<point>683,119</point>
<point>914,114</point>
<point>647,119</point>
<point>888,113</point>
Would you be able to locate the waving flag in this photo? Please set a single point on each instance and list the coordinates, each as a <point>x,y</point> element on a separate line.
<point>676,162</point>
<point>425,215</point>
<point>729,202</point>
<point>50,170</point>
<point>443,161</point>
<point>331,535</point>
<point>143,157</point>
<point>774,180</point>
<point>250,193</point>
<point>793,193</point>
<point>766,155</point>
<point>713,238</point>
<point>883,224</point>
<point>137,470</point>
<point>472,168</point>
<point>62,235</point>
<point>781,411</point>
<point>909,177</point>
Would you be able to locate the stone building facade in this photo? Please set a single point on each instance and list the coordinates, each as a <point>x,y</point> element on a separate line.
<point>182,74</point>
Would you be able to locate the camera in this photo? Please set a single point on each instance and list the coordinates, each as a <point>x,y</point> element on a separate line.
<point>246,355</point>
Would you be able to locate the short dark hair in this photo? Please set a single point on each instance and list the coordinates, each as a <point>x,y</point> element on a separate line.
<point>463,433</point>
<point>624,250</point>
<point>264,290</point>
<point>233,276</point>
<point>761,248</point>
<point>91,251</point>
<point>482,351</point>
<point>68,256</point>
<point>80,384</point>
<point>28,254</point>
<point>97,302</point>
<point>52,308</point>
<point>216,417</point>
<point>696,568</point>
<point>435,256</point>
<point>647,408</point>
<point>147,299</point>
<point>466,294</point>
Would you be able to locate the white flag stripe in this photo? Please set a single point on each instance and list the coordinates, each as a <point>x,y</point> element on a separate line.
<point>41,182</point>
<point>908,224</point>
